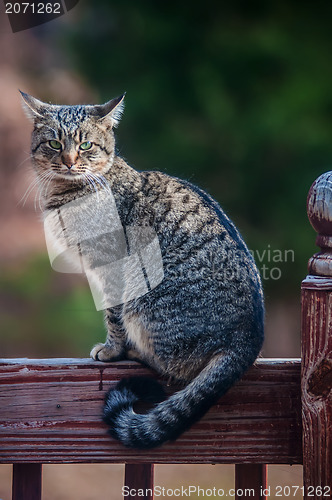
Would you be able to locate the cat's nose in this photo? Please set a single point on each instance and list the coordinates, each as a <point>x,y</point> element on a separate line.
<point>68,161</point>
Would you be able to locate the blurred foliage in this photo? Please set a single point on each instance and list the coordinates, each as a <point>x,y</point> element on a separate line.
<point>46,313</point>
<point>234,96</point>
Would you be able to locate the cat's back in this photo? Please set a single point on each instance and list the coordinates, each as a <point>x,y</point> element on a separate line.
<point>180,207</point>
<point>198,240</point>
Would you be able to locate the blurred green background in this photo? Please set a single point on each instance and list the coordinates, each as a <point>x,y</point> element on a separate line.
<point>236,97</point>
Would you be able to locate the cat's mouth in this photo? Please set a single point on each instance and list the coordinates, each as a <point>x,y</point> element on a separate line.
<point>73,172</point>
<point>78,173</point>
<point>70,175</point>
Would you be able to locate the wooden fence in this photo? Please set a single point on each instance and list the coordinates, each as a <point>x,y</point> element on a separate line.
<point>279,413</point>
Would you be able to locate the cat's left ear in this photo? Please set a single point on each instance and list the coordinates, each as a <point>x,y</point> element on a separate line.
<point>111,111</point>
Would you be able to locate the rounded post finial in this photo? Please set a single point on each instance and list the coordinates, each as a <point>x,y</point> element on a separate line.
<point>319,209</point>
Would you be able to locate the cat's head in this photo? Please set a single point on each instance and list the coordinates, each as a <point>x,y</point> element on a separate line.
<point>72,142</point>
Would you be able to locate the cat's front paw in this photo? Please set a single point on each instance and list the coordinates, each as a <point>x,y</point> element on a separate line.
<point>103,352</point>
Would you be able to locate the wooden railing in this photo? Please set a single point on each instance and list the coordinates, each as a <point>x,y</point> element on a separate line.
<point>51,413</point>
<point>50,410</point>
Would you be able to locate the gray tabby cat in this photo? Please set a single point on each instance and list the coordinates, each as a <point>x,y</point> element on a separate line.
<point>202,326</point>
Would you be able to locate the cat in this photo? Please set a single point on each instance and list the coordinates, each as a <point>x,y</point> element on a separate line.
<point>202,326</point>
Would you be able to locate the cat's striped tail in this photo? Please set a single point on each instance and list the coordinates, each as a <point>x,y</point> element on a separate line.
<point>172,416</point>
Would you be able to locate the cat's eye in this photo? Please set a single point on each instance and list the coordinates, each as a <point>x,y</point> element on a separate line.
<point>55,145</point>
<point>86,145</point>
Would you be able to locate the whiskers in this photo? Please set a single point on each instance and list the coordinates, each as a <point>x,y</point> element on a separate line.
<point>42,183</point>
<point>97,183</point>
<point>24,161</point>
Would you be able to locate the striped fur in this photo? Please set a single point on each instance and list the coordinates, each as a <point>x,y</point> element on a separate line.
<point>202,326</point>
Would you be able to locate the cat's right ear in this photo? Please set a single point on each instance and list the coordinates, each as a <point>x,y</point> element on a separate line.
<point>33,107</point>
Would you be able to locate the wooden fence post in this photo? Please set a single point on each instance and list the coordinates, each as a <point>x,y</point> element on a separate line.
<point>139,481</point>
<point>27,482</point>
<point>251,481</point>
<point>317,347</point>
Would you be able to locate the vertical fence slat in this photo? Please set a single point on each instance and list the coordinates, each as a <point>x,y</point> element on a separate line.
<point>139,477</point>
<point>27,482</point>
<point>253,478</point>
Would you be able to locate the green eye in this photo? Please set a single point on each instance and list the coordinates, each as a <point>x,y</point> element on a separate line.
<point>55,145</point>
<point>86,145</point>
